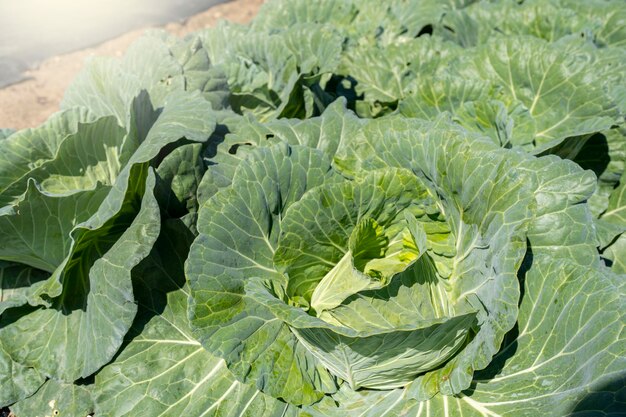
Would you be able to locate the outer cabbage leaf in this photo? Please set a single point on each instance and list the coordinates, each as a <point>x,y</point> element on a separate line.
<point>615,253</point>
<point>415,21</point>
<point>158,65</point>
<point>29,149</point>
<point>96,306</point>
<point>605,19</point>
<point>24,229</point>
<point>326,133</point>
<point>475,24</point>
<point>55,398</point>
<point>599,20</point>
<point>17,283</point>
<point>363,403</point>
<point>179,175</point>
<point>558,84</point>
<point>605,155</point>
<point>616,211</point>
<point>513,87</point>
<point>563,371</point>
<point>282,14</point>
<point>386,74</point>
<point>364,21</point>
<point>615,215</point>
<point>612,31</point>
<point>277,74</point>
<point>72,184</point>
<point>187,116</point>
<point>89,250</point>
<point>16,286</point>
<point>473,106</point>
<point>373,358</point>
<point>538,369</point>
<point>5,133</point>
<point>191,381</point>
<point>162,369</point>
<point>563,226</point>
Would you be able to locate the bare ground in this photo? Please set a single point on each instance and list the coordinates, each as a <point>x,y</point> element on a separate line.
<point>32,101</point>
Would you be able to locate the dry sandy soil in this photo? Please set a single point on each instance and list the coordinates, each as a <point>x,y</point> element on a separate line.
<point>30,102</point>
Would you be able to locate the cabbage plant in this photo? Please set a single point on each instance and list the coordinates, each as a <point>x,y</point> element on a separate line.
<point>394,268</point>
<point>344,208</point>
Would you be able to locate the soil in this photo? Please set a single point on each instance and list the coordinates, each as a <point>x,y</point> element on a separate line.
<point>32,101</point>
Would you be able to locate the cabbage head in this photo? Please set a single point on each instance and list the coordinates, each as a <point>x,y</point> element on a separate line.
<point>411,261</point>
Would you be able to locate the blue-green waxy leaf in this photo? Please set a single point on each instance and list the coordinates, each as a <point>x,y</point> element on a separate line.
<point>473,105</point>
<point>75,161</point>
<point>96,268</point>
<point>581,373</point>
<point>547,365</point>
<point>30,149</point>
<point>239,228</point>
<point>325,133</point>
<point>17,381</point>
<point>558,84</point>
<point>566,356</point>
<point>285,14</point>
<point>605,155</point>
<point>616,253</point>
<point>156,65</point>
<point>162,370</point>
<point>56,398</point>
<point>386,74</point>
<point>44,245</point>
<point>5,133</point>
<point>364,403</point>
<point>562,226</point>
<point>600,21</point>
<point>95,304</point>
<point>178,178</point>
<point>616,211</point>
<point>273,75</point>
<point>17,283</point>
<point>615,216</point>
<point>91,242</point>
<point>190,380</point>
